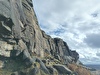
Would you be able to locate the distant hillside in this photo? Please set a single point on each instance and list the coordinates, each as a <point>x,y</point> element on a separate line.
<point>97,67</point>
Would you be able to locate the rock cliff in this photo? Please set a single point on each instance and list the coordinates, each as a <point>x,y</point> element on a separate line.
<point>25,49</point>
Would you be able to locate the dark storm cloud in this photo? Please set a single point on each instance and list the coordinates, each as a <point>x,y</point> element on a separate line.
<point>98,54</point>
<point>93,40</point>
<point>95,14</point>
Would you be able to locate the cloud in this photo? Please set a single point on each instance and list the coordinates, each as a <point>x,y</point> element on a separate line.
<point>90,56</point>
<point>92,40</point>
<point>98,54</point>
<point>75,21</point>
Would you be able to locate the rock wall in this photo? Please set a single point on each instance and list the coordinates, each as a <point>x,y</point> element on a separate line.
<point>19,31</point>
<point>20,35</point>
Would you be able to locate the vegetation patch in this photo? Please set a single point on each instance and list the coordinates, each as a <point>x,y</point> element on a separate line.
<point>79,69</point>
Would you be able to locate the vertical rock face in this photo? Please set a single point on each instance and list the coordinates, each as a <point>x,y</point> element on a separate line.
<point>20,35</point>
<point>19,31</point>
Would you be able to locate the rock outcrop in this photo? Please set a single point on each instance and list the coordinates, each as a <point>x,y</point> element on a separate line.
<point>22,41</point>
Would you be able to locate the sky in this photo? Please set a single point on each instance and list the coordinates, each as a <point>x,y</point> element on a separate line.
<point>75,21</point>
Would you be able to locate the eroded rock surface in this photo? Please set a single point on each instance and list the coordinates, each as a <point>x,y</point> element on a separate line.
<point>21,38</point>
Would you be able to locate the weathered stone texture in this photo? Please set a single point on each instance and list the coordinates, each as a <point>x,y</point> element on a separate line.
<point>20,35</point>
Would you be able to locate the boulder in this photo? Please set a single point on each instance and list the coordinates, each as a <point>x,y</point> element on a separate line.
<point>1,64</point>
<point>75,55</point>
<point>27,58</point>
<point>62,69</point>
<point>5,48</point>
<point>15,73</point>
<point>42,66</point>
<point>52,70</point>
<point>34,71</point>
<point>18,73</point>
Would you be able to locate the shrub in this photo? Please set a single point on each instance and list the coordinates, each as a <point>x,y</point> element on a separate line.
<point>79,69</point>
